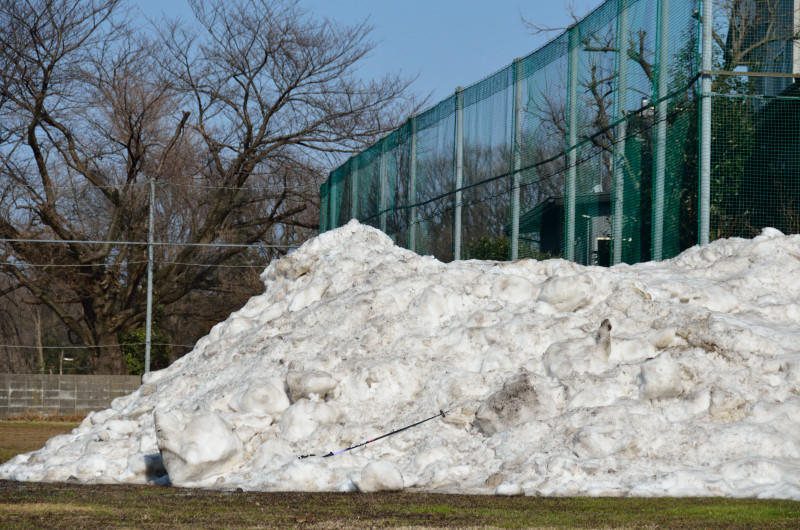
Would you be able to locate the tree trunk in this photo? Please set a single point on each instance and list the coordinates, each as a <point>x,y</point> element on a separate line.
<point>107,357</point>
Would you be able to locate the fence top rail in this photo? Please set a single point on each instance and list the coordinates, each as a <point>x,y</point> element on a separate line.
<point>734,73</point>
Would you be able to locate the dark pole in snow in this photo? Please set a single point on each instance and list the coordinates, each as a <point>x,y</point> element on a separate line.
<point>340,451</point>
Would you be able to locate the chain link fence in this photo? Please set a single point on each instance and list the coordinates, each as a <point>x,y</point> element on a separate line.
<point>594,147</point>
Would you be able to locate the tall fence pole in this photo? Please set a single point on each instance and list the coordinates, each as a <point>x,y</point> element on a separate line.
<point>148,330</point>
<point>704,199</point>
<point>332,217</point>
<point>384,186</point>
<point>572,142</point>
<point>662,66</point>
<point>622,130</point>
<point>459,167</point>
<point>412,187</point>
<point>353,189</point>
<point>517,148</point>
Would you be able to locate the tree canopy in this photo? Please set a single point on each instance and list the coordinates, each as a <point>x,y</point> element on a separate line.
<point>235,115</point>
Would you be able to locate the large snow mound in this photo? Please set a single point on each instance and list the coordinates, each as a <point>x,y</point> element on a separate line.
<point>676,378</point>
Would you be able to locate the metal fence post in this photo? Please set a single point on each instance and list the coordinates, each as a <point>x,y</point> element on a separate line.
<point>148,330</point>
<point>412,187</point>
<point>459,168</point>
<point>622,130</point>
<point>333,219</point>
<point>572,142</point>
<point>517,154</point>
<point>704,198</point>
<point>384,186</point>
<point>353,189</point>
<point>662,65</point>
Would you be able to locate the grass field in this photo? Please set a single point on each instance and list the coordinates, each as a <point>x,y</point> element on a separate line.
<point>63,505</point>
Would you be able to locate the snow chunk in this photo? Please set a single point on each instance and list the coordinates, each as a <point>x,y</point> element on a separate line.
<point>661,378</point>
<point>509,490</point>
<point>302,384</point>
<point>568,293</point>
<point>380,476</point>
<point>203,447</point>
<point>261,397</point>
<point>303,418</point>
<point>513,289</point>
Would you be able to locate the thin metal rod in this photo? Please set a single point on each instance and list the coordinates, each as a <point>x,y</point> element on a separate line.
<point>340,451</point>
<point>572,143</point>
<point>661,131</point>
<point>517,154</point>
<point>353,190</point>
<point>384,184</point>
<point>412,187</point>
<point>459,168</point>
<point>704,193</point>
<point>333,218</point>
<point>150,238</point>
<point>620,159</point>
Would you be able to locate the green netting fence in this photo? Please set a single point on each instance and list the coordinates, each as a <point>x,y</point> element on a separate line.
<point>599,147</point>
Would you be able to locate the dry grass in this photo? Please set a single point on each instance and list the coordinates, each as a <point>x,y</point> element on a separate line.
<point>22,435</point>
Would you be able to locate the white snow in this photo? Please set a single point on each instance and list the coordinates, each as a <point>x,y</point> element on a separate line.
<point>691,387</point>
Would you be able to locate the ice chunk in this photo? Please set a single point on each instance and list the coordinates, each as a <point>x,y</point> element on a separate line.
<point>302,419</point>
<point>568,293</point>
<point>661,378</point>
<point>203,447</point>
<point>380,476</point>
<point>304,383</point>
<point>261,397</point>
<point>513,289</point>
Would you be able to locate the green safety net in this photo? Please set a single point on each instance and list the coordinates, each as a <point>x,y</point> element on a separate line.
<point>588,148</point>
<point>755,154</point>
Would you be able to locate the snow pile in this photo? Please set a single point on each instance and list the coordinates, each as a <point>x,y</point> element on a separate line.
<point>675,378</point>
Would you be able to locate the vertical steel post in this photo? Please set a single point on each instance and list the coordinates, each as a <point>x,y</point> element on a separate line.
<point>333,219</point>
<point>622,130</point>
<point>412,187</point>
<point>572,142</point>
<point>459,168</point>
<point>704,195</point>
<point>516,143</point>
<point>384,186</point>
<point>796,44</point>
<point>148,330</point>
<point>662,67</point>
<point>353,189</point>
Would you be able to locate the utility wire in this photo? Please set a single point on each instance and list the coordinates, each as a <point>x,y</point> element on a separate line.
<point>145,243</point>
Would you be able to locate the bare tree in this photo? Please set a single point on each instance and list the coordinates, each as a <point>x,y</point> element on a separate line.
<point>234,117</point>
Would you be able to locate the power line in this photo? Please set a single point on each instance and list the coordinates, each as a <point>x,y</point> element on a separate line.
<point>56,265</point>
<point>23,347</point>
<point>168,184</point>
<point>164,262</point>
<point>145,243</point>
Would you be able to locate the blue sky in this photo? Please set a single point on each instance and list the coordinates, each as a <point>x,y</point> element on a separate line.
<point>446,43</point>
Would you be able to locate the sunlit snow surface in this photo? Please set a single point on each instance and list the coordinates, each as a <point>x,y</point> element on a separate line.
<point>697,391</point>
